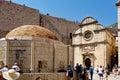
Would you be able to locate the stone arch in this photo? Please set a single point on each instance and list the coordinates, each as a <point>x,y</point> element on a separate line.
<point>87,63</point>
<point>90,57</point>
<point>88,20</point>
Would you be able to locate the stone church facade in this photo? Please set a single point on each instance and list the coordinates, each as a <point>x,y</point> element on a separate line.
<point>93,44</point>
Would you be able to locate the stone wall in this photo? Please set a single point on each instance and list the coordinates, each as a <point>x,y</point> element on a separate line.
<point>60,26</point>
<point>36,55</point>
<point>61,57</point>
<point>19,51</point>
<point>14,15</point>
<point>100,55</point>
<point>3,52</point>
<point>43,51</point>
<point>44,76</point>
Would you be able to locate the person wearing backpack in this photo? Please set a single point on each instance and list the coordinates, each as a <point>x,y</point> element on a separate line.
<point>70,73</point>
<point>77,69</point>
<point>81,70</point>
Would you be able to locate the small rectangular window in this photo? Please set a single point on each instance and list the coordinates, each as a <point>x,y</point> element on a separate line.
<point>70,35</point>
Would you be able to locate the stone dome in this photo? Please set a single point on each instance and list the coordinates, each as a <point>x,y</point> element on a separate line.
<point>31,31</point>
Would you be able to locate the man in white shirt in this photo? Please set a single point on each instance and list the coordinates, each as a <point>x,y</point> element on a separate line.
<point>4,69</point>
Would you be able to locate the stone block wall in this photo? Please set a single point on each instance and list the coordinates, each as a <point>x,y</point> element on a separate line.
<point>71,56</point>
<point>44,76</point>
<point>36,55</point>
<point>19,51</point>
<point>14,15</point>
<point>61,57</point>
<point>100,55</point>
<point>60,26</point>
<point>3,52</point>
<point>43,51</point>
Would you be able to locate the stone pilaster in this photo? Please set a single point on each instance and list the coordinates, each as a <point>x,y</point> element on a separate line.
<point>118,6</point>
<point>32,57</point>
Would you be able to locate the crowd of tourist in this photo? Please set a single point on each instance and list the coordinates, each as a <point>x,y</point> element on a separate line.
<point>10,74</point>
<point>83,73</point>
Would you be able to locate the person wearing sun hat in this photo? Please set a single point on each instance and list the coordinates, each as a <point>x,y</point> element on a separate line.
<point>5,68</point>
<point>11,75</point>
<point>16,67</point>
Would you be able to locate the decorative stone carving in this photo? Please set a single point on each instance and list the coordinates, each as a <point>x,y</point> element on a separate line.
<point>88,48</point>
<point>90,56</point>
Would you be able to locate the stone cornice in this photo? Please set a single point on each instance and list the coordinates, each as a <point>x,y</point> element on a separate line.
<point>99,30</point>
<point>93,30</point>
<point>94,43</point>
<point>81,25</point>
<point>77,34</point>
<point>104,29</point>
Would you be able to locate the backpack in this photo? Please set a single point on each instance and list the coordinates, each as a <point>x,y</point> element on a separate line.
<point>70,73</point>
<point>81,69</point>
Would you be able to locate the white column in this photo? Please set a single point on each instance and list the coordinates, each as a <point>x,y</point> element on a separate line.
<point>6,52</point>
<point>118,6</point>
<point>118,35</point>
<point>77,56</point>
<point>32,57</point>
<point>105,59</point>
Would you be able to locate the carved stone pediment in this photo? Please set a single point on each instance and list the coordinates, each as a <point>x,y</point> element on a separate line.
<point>88,48</point>
<point>88,54</point>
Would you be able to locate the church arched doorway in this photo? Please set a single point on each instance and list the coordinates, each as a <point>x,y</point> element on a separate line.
<point>87,63</point>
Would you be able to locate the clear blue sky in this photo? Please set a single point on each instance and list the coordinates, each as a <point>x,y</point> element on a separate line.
<point>105,11</point>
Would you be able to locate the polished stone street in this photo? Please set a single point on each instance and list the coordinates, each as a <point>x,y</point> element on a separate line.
<point>110,77</point>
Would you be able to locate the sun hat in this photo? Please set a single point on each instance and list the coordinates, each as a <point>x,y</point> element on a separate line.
<point>11,74</point>
<point>15,63</point>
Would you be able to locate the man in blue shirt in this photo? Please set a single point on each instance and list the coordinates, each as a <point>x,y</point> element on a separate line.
<point>91,72</point>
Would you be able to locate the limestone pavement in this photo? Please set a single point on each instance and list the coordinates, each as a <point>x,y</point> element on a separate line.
<point>110,77</point>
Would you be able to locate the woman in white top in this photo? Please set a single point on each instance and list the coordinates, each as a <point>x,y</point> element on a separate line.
<point>100,73</point>
<point>115,71</point>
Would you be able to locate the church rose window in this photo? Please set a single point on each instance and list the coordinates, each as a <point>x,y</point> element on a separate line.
<point>88,35</point>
